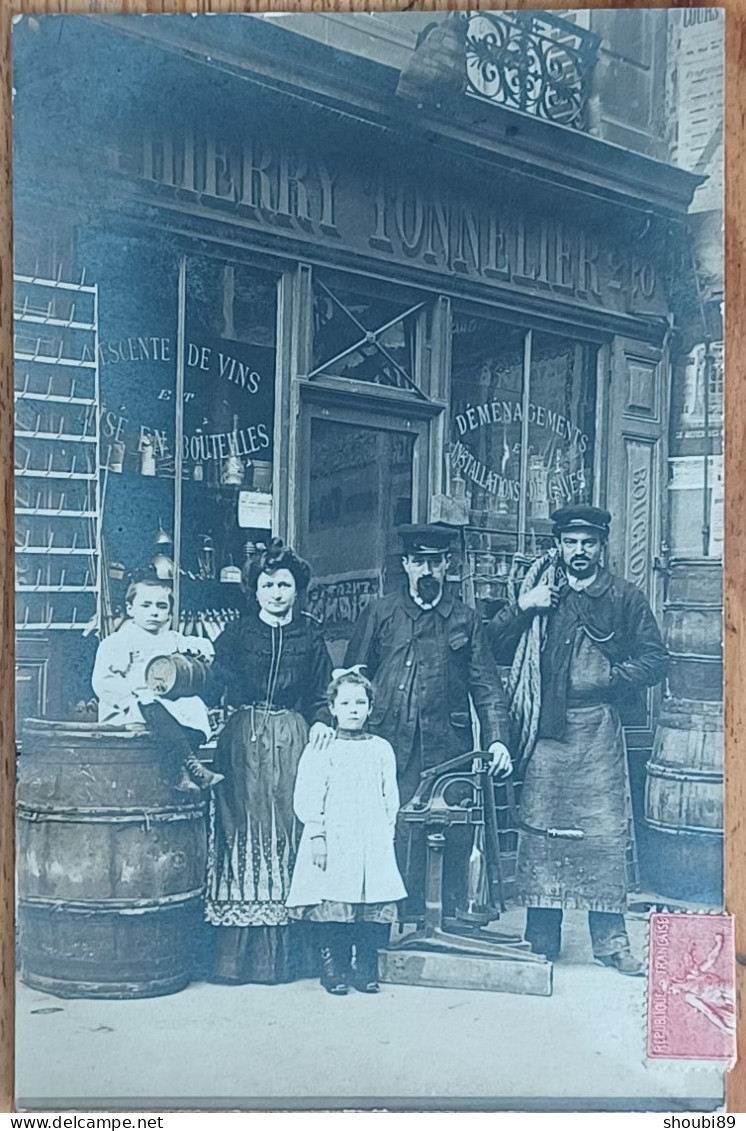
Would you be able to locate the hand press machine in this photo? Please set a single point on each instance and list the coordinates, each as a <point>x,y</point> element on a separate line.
<point>460,953</point>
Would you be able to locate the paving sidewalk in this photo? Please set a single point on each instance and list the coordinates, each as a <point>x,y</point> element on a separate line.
<point>255,1046</point>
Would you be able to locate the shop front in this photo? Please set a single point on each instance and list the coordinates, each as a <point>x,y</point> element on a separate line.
<point>323,337</point>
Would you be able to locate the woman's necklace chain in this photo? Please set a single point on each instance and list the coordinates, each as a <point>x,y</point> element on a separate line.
<point>272,677</point>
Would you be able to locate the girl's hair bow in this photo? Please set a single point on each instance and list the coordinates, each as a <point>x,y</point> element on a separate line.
<point>337,673</point>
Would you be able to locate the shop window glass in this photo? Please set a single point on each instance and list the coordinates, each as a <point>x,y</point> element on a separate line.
<point>487,368</point>
<point>231,313</point>
<point>561,428</point>
<point>363,337</point>
<point>522,439</point>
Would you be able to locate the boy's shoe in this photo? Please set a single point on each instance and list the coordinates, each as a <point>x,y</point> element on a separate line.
<point>185,783</point>
<point>204,778</point>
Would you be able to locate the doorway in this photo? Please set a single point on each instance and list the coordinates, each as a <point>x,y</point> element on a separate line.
<point>362,478</point>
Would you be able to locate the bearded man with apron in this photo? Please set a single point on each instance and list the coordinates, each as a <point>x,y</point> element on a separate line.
<point>581,641</point>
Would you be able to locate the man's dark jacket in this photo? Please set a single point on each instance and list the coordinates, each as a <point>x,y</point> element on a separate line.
<point>425,663</point>
<point>617,617</point>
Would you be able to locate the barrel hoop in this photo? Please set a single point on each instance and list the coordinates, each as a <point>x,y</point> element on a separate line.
<point>101,816</point>
<point>683,830</point>
<point>145,988</point>
<point>706,725</point>
<point>698,657</point>
<point>655,769</point>
<point>133,732</point>
<point>692,606</point>
<point>118,906</point>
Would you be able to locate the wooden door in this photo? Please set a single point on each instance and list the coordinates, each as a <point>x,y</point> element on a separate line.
<point>636,477</point>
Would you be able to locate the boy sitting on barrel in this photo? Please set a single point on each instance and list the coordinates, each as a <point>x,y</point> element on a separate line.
<point>128,693</point>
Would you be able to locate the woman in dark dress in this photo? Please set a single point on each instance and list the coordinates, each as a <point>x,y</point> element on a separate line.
<point>275,668</point>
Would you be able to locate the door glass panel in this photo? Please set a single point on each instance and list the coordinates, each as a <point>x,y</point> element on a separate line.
<point>360,490</point>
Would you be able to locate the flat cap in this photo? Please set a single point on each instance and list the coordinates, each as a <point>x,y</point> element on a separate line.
<point>581,518</point>
<point>425,538</point>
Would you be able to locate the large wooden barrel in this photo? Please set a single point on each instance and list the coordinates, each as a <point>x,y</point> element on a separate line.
<point>175,676</point>
<point>111,864</point>
<point>684,803</point>
<point>693,631</point>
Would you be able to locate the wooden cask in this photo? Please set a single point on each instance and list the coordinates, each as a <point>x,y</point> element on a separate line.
<point>684,803</point>
<point>110,861</point>
<point>693,631</point>
<point>176,676</point>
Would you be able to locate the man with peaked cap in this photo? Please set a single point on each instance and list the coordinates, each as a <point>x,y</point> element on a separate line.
<point>581,641</point>
<point>427,655</point>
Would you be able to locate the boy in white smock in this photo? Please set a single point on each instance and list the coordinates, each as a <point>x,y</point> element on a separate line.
<point>181,725</point>
<point>346,880</point>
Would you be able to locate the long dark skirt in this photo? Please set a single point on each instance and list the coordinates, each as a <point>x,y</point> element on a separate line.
<point>578,783</point>
<point>268,955</point>
<point>253,842</point>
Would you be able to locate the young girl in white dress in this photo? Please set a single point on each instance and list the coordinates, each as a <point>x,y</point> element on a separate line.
<point>346,879</point>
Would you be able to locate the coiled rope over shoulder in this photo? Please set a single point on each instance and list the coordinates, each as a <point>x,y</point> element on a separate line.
<point>524,680</point>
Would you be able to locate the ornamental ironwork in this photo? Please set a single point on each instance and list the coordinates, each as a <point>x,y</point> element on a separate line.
<point>535,62</point>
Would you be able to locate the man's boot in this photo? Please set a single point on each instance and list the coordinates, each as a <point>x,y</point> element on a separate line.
<point>204,778</point>
<point>611,943</point>
<point>624,961</point>
<point>544,931</point>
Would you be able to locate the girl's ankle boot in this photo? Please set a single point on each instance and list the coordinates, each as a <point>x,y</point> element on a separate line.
<point>334,969</point>
<point>365,976</point>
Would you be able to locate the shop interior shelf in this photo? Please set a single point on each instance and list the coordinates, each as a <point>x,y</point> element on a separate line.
<point>43,359</point>
<point>69,437</point>
<point>57,364</point>
<point>41,474</point>
<point>56,284</point>
<point>48,320</point>
<point>55,550</point>
<point>53,398</point>
<point>29,589</point>
<point>47,626</point>
<point>52,512</point>
<point>54,588</point>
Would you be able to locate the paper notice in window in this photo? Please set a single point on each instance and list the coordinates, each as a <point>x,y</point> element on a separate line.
<point>254,510</point>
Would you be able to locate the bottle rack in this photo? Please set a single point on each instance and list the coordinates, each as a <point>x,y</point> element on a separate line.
<point>57,454</point>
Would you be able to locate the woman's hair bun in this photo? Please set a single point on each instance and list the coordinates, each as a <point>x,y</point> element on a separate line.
<point>275,555</point>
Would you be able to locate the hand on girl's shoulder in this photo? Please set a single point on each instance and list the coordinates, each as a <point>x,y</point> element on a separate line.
<point>385,747</point>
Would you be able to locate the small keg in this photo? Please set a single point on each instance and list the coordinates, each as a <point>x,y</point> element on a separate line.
<point>176,676</point>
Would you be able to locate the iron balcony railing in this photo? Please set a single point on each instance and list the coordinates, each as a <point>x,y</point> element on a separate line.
<point>535,62</point>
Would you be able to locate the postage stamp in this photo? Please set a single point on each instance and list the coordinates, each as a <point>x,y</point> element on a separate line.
<point>691,988</point>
